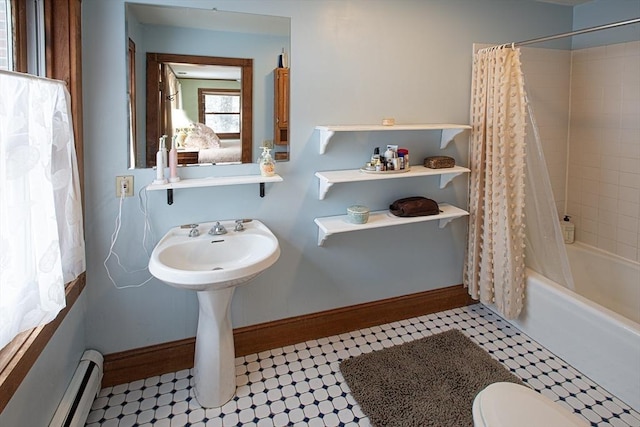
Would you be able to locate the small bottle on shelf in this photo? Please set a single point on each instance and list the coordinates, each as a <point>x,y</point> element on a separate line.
<point>173,161</point>
<point>266,163</point>
<point>161,161</point>
<point>405,153</point>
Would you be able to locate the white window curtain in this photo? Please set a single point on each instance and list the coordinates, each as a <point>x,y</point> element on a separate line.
<point>41,237</point>
<point>495,269</point>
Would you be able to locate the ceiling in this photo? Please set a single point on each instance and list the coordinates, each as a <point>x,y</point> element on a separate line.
<point>206,72</point>
<point>565,2</point>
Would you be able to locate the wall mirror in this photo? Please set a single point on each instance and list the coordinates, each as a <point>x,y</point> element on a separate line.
<point>193,70</point>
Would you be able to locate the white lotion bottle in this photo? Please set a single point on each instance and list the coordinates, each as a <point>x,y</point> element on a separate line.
<point>160,162</point>
<point>568,229</point>
<point>173,161</point>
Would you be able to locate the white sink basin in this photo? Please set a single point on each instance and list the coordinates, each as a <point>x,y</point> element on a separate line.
<point>214,262</point>
<point>213,266</point>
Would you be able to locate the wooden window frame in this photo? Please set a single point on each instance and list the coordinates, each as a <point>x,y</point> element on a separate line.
<point>202,92</point>
<point>63,57</point>
<point>19,30</point>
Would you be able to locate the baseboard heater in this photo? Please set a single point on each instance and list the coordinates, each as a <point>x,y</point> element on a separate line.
<point>75,405</point>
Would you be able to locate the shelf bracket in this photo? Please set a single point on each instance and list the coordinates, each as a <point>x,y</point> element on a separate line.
<point>442,223</point>
<point>170,196</point>
<point>322,236</point>
<point>325,136</point>
<point>262,189</point>
<point>323,188</point>
<point>448,135</point>
<point>446,178</point>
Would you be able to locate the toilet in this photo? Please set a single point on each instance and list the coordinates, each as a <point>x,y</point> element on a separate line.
<point>506,404</point>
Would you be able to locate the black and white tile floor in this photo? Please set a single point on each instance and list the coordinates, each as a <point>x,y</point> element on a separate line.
<point>301,384</point>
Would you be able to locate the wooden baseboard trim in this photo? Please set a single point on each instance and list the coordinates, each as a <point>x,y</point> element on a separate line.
<point>131,365</point>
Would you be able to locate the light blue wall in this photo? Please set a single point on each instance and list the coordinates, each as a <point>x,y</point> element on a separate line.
<point>599,12</point>
<point>352,62</point>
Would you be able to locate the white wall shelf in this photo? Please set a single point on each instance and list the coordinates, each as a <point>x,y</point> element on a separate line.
<point>339,224</point>
<point>328,178</point>
<point>449,131</point>
<point>214,182</point>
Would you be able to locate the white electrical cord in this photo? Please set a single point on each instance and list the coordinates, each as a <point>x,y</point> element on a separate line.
<point>114,238</point>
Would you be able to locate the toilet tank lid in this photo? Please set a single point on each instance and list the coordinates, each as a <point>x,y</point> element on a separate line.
<point>506,404</point>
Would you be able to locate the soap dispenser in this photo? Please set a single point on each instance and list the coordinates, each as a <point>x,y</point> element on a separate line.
<point>568,229</point>
<point>266,163</point>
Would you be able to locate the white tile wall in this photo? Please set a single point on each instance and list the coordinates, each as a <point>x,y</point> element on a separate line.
<point>587,106</point>
<point>547,81</point>
<point>603,194</point>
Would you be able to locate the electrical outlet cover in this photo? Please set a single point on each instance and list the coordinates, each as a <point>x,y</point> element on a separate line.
<point>127,180</point>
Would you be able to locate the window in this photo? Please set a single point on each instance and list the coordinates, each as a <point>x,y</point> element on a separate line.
<point>6,37</point>
<point>220,109</point>
<point>22,35</point>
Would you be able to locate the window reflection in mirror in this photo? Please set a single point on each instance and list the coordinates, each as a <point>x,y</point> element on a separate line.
<point>220,110</point>
<point>212,34</point>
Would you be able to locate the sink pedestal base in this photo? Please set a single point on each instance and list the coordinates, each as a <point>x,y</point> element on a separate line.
<point>214,367</point>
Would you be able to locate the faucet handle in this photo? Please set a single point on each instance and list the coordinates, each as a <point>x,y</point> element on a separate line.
<point>239,226</point>
<point>194,230</point>
<point>218,229</point>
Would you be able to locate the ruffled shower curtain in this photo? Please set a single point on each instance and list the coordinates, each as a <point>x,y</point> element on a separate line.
<point>41,236</point>
<point>494,269</point>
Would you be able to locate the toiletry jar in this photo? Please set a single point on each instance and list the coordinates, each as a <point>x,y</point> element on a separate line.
<point>358,214</point>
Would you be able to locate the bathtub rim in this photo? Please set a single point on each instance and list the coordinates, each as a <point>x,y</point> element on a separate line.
<point>606,254</point>
<point>591,306</point>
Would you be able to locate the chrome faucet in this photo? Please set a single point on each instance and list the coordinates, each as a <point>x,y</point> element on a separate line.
<point>194,232</point>
<point>239,226</point>
<point>218,229</point>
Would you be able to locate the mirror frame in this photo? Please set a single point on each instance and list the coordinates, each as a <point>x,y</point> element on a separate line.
<point>154,119</point>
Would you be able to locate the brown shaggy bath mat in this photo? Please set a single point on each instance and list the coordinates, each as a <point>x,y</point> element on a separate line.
<point>431,381</point>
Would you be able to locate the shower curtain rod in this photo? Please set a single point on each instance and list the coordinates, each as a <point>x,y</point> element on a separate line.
<point>575,33</point>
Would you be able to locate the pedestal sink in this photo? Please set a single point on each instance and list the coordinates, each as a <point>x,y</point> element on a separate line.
<point>213,265</point>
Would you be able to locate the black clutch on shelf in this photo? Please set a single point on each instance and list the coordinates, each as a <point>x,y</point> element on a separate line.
<point>414,206</point>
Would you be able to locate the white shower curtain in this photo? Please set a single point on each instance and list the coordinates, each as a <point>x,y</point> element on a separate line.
<point>41,237</point>
<point>545,251</point>
<point>494,269</point>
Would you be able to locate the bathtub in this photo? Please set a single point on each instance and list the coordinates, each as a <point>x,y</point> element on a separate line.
<point>596,329</point>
